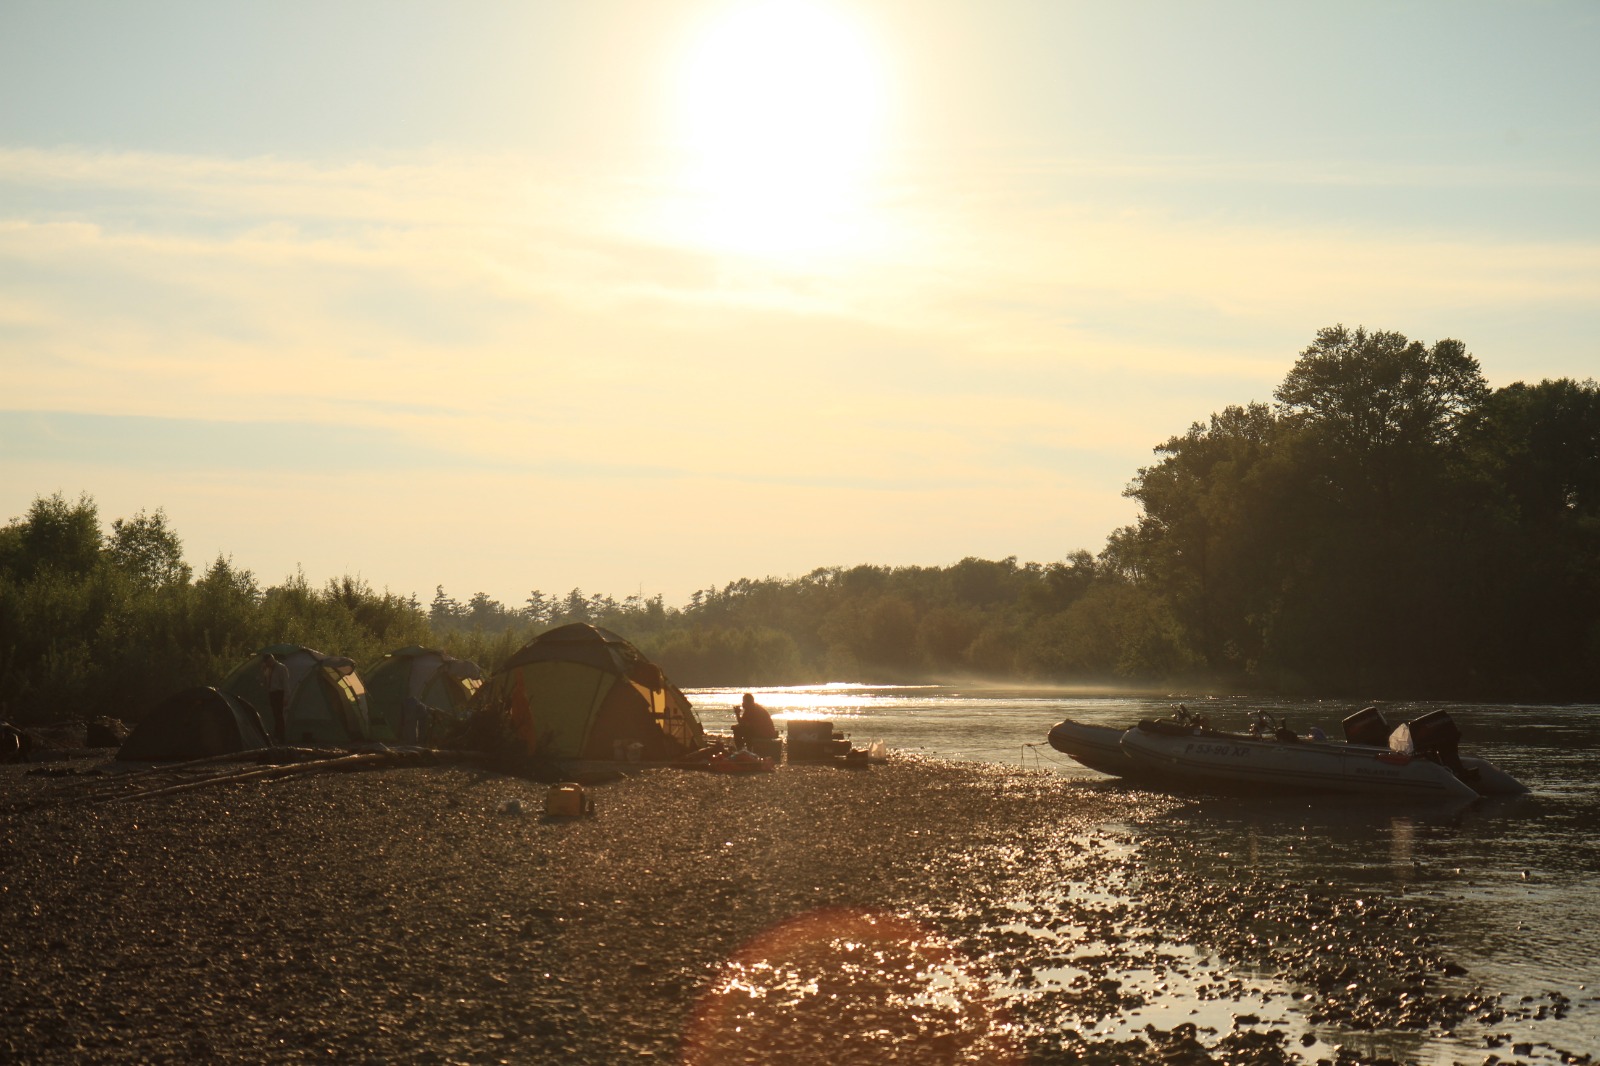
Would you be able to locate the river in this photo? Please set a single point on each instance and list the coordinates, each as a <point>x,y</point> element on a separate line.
<point>1515,883</point>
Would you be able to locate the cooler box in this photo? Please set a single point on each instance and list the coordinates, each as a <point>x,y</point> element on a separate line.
<point>809,740</point>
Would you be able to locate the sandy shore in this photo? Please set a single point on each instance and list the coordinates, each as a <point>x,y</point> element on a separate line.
<point>811,915</point>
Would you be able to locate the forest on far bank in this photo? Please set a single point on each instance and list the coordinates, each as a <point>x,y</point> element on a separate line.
<point>1388,527</point>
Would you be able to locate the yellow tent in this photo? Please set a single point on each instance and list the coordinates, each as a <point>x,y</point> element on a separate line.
<point>582,692</point>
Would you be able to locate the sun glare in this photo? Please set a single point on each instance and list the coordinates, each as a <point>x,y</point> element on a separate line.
<point>780,112</point>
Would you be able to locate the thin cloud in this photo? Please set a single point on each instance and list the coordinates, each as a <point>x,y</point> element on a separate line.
<point>510,330</point>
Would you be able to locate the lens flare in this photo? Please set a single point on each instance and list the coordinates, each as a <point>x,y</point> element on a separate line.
<point>846,986</point>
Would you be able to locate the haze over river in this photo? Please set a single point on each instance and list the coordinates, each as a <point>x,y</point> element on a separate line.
<point>1513,884</point>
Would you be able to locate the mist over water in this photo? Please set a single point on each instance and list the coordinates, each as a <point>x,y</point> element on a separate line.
<point>1512,885</point>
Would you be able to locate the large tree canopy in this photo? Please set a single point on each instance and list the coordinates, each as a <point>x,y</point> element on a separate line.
<point>1396,525</point>
<point>1374,391</point>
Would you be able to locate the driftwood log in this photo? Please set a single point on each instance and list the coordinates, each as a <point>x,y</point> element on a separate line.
<point>342,762</point>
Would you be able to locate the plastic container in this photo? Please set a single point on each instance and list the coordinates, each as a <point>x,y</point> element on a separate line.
<point>567,800</point>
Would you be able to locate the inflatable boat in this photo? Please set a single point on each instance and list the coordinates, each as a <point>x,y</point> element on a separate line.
<point>1417,759</point>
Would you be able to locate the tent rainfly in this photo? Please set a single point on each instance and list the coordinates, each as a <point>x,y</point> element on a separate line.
<point>582,692</point>
<point>437,679</point>
<point>326,702</point>
<point>195,723</point>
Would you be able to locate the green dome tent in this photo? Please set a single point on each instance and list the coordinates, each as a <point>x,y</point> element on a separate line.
<point>195,723</point>
<point>581,692</point>
<point>326,701</point>
<point>437,679</point>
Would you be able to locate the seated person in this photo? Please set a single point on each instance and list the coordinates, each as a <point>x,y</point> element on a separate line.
<point>752,722</point>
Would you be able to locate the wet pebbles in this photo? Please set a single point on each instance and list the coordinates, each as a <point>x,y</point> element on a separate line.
<point>916,912</point>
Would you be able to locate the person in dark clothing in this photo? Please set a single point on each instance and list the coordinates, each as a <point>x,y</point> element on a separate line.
<point>752,722</point>
<point>275,678</point>
<point>414,716</point>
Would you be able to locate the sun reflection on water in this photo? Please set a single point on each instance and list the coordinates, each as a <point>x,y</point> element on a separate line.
<point>848,985</point>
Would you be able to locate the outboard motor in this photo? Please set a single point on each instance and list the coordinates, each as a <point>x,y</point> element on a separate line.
<point>1436,734</point>
<point>1367,727</point>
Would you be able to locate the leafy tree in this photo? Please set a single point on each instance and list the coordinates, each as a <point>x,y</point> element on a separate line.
<point>575,607</point>
<point>1375,391</point>
<point>1537,449</point>
<point>538,608</point>
<point>225,583</point>
<point>944,636</point>
<point>888,636</point>
<point>485,613</point>
<point>1541,444</point>
<point>1356,539</point>
<point>444,611</point>
<point>145,547</point>
<point>1389,528</point>
<point>57,535</point>
<point>383,621</point>
<point>12,536</point>
<point>1384,407</point>
<point>223,615</point>
<point>730,656</point>
<point>982,583</point>
<point>1211,519</point>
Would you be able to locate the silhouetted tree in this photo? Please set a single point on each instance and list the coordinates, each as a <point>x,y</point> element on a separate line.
<point>444,611</point>
<point>56,535</point>
<point>146,548</point>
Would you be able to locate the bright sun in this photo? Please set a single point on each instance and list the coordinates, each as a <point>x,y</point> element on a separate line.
<point>780,109</point>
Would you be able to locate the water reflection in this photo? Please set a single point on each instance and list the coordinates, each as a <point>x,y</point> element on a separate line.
<point>1448,930</point>
<point>848,986</point>
<point>1402,845</point>
<point>1447,923</point>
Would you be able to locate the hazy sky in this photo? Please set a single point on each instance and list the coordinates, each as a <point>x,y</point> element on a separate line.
<point>643,296</point>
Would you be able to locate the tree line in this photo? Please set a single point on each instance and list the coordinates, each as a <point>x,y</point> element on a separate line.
<point>1388,526</point>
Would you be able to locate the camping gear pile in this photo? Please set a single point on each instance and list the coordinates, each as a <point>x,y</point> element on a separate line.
<point>742,761</point>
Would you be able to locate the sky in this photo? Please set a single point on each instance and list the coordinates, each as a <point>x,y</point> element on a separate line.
<point>642,296</point>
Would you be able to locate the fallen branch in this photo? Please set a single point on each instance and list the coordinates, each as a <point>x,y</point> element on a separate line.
<point>250,755</point>
<point>342,762</point>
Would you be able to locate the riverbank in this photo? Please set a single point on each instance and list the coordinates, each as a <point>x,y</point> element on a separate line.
<point>416,915</point>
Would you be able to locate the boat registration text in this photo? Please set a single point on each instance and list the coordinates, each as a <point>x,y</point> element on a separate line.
<point>1233,751</point>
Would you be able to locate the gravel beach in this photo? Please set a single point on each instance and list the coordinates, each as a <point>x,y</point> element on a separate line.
<point>816,914</point>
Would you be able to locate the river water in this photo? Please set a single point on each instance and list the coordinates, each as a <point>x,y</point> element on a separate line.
<point>1515,882</point>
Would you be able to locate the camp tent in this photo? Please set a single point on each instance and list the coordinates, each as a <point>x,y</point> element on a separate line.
<point>439,680</point>
<point>326,702</point>
<point>581,692</point>
<point>195,723</point>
